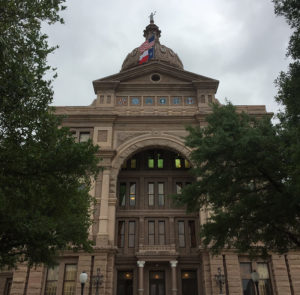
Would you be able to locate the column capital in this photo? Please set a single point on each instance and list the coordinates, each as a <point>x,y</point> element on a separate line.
<point>140,263</point>
<point>173,263</point>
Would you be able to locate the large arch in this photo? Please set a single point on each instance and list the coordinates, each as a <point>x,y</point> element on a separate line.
<point>129,148</point>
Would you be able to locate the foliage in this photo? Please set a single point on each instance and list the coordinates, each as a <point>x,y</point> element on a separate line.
<point>248,170</point>
<point>44,175</point>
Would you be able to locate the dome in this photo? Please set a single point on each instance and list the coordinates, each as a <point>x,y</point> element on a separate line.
<point>162,53</point>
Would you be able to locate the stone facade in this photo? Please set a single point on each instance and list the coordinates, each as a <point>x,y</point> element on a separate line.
<point>146,108</point>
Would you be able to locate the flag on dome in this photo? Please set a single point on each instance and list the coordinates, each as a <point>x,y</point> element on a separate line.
<point>147,44</point>
<point>147,55</point>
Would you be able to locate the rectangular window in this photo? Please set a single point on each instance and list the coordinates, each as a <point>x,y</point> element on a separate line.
<point>51,282</point>
<point>84,136</point>
<point>181,234</point>
<point>150,160</point>
<point>70,279</point>
<point>132,194</point>
<point>161,233</point>
<point>192,233</point>
<point>177,163</point>
<point>121,234</point>
<point>264,279</point>
<point>133,163</point>
<point>247,283</point>
<point>122,194</point>
<point>187,164</point>
<point>179,186</point>
<point>161,194</point>
<point>160,161</point>
<point>264,283</point>
<point>131,234</point>
<point>151,194</point>
<point>151,232</point>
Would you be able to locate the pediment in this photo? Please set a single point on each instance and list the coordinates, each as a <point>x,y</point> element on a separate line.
<point>141,75</point>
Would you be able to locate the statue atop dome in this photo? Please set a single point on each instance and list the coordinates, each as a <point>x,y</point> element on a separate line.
<point>151,16</point>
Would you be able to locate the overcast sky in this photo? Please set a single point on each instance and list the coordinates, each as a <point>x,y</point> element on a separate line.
<point>241,43</point>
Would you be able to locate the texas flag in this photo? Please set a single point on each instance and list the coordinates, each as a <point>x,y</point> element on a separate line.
<point>147,55</point>
<point>147,44</point>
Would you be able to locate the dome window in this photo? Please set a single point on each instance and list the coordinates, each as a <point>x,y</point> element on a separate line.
<point>155,77</point>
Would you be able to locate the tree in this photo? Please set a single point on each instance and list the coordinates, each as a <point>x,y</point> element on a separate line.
<point>45,176</point>
<point>248,170</point>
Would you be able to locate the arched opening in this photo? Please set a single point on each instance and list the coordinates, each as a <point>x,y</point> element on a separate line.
<point>149,227</point>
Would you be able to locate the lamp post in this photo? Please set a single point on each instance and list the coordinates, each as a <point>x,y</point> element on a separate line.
<point>83,278</point>
<point>97,281</point>
<point>255,279</point>
<point>220,280</point>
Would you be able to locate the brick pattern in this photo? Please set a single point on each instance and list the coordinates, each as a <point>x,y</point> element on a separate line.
<point>233,274</point>
<point>294,263</point>
<point>35,280</point>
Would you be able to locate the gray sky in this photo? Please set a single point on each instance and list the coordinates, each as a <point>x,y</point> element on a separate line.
<point>241,43</point>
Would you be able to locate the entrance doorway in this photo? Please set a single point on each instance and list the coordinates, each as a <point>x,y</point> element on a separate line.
<point>157,283</point>
<point>189,282</point>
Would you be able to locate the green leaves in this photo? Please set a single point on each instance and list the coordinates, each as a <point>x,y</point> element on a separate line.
<point>43,208</point>
<point>244,179</point>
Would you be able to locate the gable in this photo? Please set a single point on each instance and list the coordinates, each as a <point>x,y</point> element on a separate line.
<point>142,75</point>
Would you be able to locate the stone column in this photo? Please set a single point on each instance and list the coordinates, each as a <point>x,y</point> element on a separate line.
<point>174,278</point>
<point>141,277</point>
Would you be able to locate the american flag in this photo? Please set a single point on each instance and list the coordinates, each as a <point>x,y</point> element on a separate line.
<point>147,44</point>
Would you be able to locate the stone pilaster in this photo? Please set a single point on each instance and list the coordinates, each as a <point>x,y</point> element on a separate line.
<point>174,276</point>
<point>141,277</point>
<point>102,237</point>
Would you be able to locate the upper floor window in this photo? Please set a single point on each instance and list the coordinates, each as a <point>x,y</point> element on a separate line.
<point>121,234</point>
<point>156,159</point>
<point>51,281</point>
<point>127,194</point>
<point>187,233</point>
<point>264,283</point>
<point>181,234</point>
<point>69,285</point>
<point>131,234</point>
<point>84,136</point>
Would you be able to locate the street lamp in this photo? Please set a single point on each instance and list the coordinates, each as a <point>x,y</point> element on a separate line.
<point>220,280</point>
<point>97,280</point>
<point>83,278</point>
<point>255,279</point>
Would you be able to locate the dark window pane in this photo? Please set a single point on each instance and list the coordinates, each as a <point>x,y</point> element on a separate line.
<point>131,234</point>
<point>246,270</point>
<point>192,233</point>
<point>151,194</point>
<point>161,194</point>
<point>161,232</point>
<point>248,287</point>
<point>181,235</point>
<point>121,234</point>
<point>151,232</point>
<point>132,194</point>
<point>133,163</point>
<point>122,194</point>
